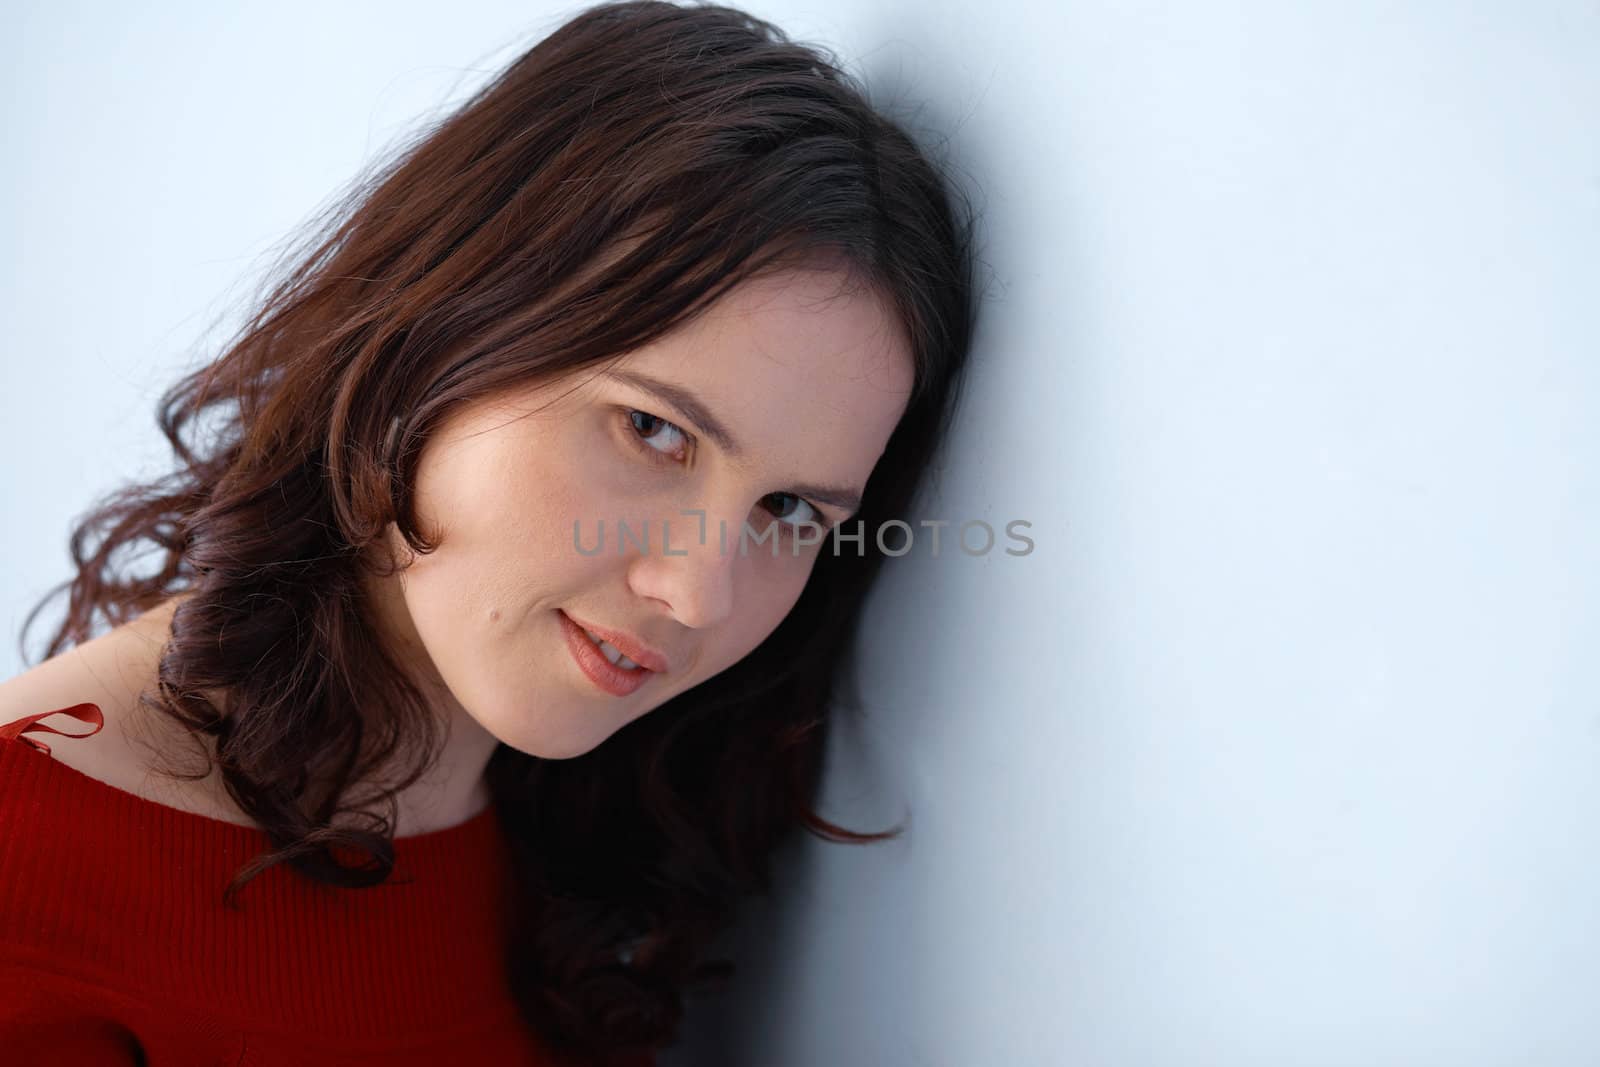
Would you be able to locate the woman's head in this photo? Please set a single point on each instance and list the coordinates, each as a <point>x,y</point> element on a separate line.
<point>451,379</point>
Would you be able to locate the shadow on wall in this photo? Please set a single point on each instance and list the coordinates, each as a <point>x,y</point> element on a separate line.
<point>727,1028</point>
<point>774,944</point>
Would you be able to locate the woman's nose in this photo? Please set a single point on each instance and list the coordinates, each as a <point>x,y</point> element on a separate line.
<point>689,566</point>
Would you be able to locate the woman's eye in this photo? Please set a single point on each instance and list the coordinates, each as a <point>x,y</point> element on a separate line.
<point>657,435</point>
<point>809,515</point>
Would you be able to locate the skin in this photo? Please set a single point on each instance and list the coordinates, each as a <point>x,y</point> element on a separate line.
<point>810,381</point>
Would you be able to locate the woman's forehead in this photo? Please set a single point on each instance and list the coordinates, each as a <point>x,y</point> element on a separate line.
<point>782,367</point>
<point>798,333</point>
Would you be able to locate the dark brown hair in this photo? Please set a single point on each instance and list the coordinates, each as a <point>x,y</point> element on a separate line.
<point>611,182</point>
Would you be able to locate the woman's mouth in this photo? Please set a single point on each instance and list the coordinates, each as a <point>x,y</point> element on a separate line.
<point>600,662</point>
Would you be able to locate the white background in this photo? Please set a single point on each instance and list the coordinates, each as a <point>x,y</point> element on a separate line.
<point>1281,747</point>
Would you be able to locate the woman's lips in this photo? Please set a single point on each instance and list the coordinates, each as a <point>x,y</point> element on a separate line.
<point>599,670</point>
<point>635,648</point>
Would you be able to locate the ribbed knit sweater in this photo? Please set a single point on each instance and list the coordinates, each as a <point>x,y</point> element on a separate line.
<point>116,947</point>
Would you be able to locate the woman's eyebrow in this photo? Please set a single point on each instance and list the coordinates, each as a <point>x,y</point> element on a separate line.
<point>700,417</point>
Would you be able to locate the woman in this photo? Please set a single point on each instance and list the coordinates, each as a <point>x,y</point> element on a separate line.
<point>497,614</point>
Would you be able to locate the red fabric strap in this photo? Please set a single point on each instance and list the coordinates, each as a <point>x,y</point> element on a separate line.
<point>85,713</point>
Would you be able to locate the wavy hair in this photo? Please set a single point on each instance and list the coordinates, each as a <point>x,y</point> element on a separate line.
<point>607,185</point>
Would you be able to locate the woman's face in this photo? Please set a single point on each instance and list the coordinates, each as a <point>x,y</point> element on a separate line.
<point>788,395</point>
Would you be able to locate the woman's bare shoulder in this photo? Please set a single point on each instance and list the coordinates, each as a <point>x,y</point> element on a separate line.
<point>110,671</point>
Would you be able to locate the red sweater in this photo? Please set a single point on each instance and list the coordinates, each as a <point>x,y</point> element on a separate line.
<point>116,948</point>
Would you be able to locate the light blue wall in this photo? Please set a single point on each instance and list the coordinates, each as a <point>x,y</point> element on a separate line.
<point>1281,746</point>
